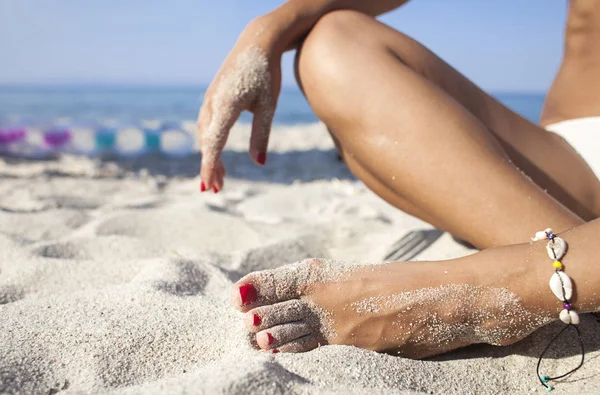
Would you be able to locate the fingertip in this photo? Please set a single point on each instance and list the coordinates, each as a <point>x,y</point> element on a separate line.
<point>261,158</point>
<point>218,179</point>
<point>207,177</point>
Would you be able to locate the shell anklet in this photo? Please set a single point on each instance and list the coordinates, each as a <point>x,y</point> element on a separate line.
<point>562,287</point>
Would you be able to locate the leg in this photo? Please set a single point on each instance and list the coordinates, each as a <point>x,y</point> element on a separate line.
<point>417,309</point>
<point>431,143</point>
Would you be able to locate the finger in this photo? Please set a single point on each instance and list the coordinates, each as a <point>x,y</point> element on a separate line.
<point>203,119</point>
<point>219,177</point>
<point>268,316</point>
<point>261,129</point>
<point>282,334</point>
<point>201,125</point>
<point>214,137</point>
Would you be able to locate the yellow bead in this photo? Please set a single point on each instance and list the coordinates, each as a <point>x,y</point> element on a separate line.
<point>557,265</point>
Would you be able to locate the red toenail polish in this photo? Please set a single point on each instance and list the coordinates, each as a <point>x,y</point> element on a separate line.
<point>261,158</point>
<point>257,320</point>
<point>275,351</point>
<point>202,187</point>
<point>269,338</point>
<point>247,293</point>
<point>215,190</point>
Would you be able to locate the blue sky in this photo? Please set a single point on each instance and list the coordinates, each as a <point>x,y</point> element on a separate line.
<point>507,45</point>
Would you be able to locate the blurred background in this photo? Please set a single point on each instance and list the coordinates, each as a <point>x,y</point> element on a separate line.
<point>153,59</point>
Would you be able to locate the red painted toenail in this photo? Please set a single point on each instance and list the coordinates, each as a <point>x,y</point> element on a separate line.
<point>257,320</point>
<point>247,293</point>
<point>215,190</point>
<point>269,338</point>
<point>261,158</point>
<point>202,187</point>
<point>275,351</point>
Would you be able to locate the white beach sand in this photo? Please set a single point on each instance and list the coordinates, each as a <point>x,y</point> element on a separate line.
<point>114,278</point>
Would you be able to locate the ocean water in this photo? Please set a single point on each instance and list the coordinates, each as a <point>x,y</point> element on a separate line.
<point>90,104</point>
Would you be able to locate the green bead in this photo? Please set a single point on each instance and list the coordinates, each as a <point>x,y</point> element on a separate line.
<point>548,388</point>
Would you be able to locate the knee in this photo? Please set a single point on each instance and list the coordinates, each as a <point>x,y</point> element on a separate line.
<point>321,58</point>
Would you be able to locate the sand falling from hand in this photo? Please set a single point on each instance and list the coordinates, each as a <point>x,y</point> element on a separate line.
<point>247,83</point>
<point>457,312</point>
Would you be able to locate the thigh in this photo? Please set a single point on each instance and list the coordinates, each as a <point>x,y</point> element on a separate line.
<point>544,156</point>
<point>414,141</point>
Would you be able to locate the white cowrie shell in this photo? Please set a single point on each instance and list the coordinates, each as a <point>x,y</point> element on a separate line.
<point>557,248</point>
<point>574,317</point>
<point>558,281</point>
<point>565,316</point>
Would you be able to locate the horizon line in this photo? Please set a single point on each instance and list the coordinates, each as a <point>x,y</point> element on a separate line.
<point>117,86</point>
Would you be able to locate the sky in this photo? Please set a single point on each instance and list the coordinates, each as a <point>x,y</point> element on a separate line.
<point>507,45</point>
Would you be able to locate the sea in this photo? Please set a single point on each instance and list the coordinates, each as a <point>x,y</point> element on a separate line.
<point>130,104</point>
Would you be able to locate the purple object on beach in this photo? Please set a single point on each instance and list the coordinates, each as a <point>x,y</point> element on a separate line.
<point>9,136</point>
<point>57,137</point>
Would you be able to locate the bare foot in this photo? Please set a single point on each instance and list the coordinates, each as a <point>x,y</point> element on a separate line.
<point>415,309</point>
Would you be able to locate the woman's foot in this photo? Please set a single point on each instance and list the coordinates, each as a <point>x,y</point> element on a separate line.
<point>414,309</point>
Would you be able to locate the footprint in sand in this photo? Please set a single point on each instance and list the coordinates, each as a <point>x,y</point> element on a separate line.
<point>48,225</point>
<point>10,294</point>
<point>99,248</point>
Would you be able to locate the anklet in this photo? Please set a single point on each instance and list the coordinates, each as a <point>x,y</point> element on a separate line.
<point>562,287</point>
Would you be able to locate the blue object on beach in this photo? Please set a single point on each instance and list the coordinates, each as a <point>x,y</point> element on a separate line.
<point>106,139</point>
<point>152,138</point>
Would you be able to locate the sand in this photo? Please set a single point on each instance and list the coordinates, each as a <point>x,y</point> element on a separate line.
<point>115,278</point>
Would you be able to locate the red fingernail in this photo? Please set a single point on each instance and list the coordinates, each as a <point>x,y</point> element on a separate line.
<point>202,187</point>
<point>269,338</point>
<point>261,158</point>
<point>257,320</point>
<point>275,351</point>
<point>247,293</point>
<point>215,190</point>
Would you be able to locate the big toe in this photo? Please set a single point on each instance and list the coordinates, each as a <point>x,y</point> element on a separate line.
<point>271,286</point>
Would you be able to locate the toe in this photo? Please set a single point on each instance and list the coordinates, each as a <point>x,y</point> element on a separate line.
<point>302,344</point>
<point>279,335</point>
<point>268,316</point>
<point>271,286</point>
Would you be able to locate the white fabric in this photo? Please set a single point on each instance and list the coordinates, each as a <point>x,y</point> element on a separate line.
<point>584,135</point>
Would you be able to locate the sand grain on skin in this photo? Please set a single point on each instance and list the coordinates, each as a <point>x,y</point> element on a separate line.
<point>247,83</point>
<point>483,314</point>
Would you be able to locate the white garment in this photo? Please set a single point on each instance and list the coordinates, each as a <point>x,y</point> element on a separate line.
<point>584,135</point>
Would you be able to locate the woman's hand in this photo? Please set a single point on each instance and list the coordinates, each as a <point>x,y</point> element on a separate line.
<point>248,80</point>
